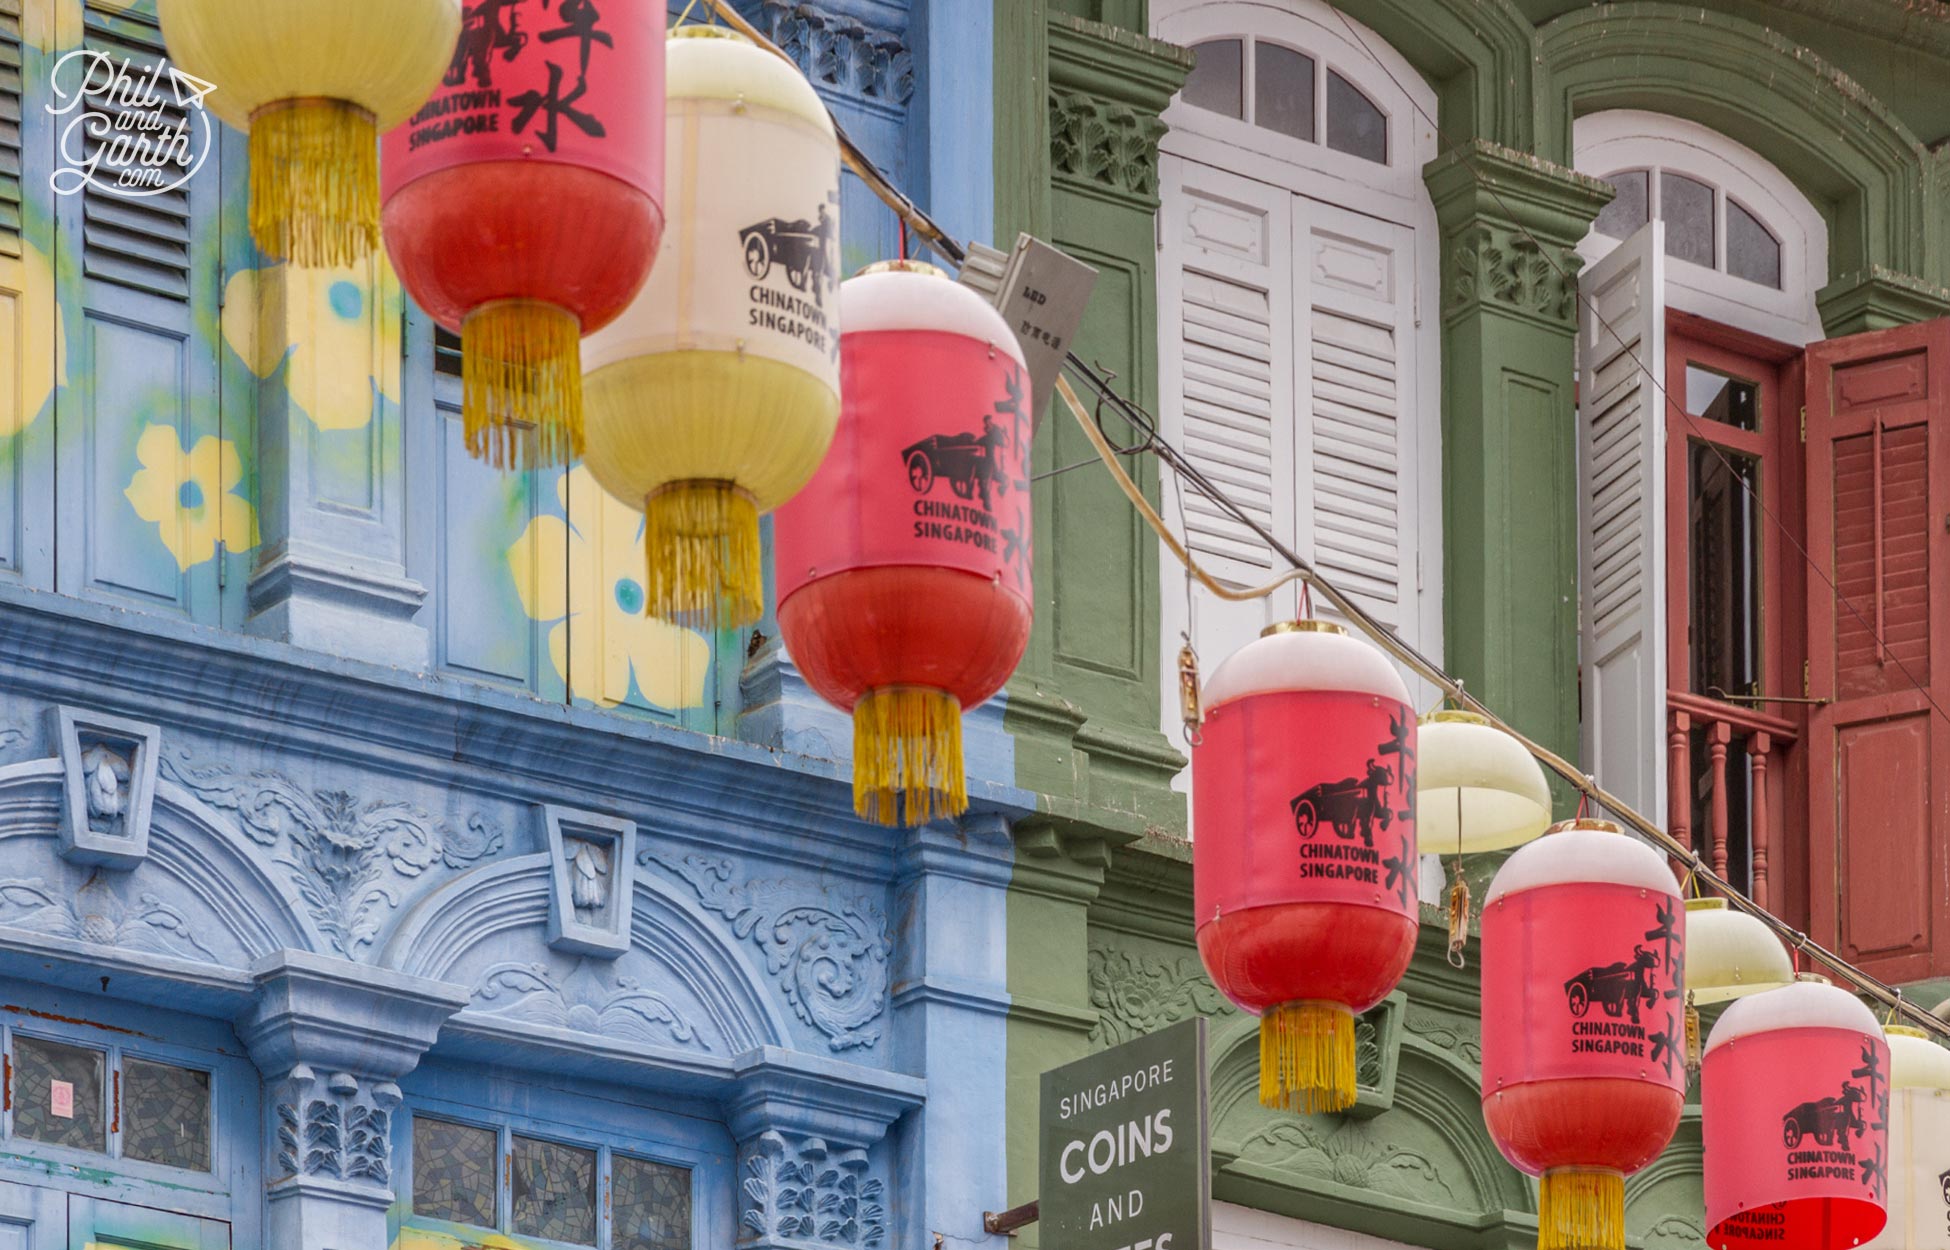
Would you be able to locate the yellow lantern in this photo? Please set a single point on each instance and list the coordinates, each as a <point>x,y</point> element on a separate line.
<point>1919,1143</point>
<point>713,398</point>
<point>314,84</point>
<point>1476,787</point>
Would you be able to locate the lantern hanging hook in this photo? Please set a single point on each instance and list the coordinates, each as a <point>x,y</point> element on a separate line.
<point>1188,704</point>
<point>1458,896</point>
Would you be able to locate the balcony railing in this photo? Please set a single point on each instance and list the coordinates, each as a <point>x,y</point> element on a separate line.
<point>1704,790</point>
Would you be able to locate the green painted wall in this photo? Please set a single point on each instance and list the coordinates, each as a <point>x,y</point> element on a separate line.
<point>1833,92</point>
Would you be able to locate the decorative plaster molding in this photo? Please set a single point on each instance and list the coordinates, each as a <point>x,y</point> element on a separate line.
<point>342,855</point>
<point>796,1192</point>
<point>1350,1153</point>
<point>841,52</point>
<point>109,786</point>
<point>339,1128</point>
<point>583,1002</point>
<point>1497,264</point>
<point>1137,994</point>
<point>1673,1232</point>
<point>592,879</point>
<point>1459,1038</point>
<point>1113,146</point>
<point>830,960</point>
<point>98,914</point>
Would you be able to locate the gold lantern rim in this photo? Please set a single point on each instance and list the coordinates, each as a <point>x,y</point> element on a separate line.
<point>1303,627</point>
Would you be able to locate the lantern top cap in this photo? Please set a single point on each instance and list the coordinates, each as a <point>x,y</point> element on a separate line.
<point>902,266</point>
<point>1477,787</point>
<point>1306,656</point>
<point>1584,824</point>
<point>1456,716</point>
<point>1730,954</point>
<point>1706,904</point>
<point>1583,853</point>
<point>1803,1005</point>
<point>688,31</point>
<point>1915,1060</point>
<point>1904,1030</point>
<point>1304,627</point>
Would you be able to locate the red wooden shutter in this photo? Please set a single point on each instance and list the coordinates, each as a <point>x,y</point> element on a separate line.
<point>1878,431</point>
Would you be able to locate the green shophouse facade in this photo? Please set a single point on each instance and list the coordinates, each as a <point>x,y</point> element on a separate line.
<point>1350,251</point>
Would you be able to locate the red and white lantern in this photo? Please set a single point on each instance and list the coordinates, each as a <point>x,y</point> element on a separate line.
<point>1584,1009</point>
<point>1794,1096</point>
<point>903,566</point>
<point>1304,856</point>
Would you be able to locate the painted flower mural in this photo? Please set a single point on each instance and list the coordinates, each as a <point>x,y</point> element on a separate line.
<point>44,351</point>
<point>585,575</point>
<point>189,495</point>
<point>343,353</point>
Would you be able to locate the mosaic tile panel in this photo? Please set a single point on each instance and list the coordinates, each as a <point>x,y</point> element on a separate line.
<point>652,1205</point>
<point>165,1114</point>
<point>57,1094</point>
<point>453,1172</point>
<point>554,1191</point>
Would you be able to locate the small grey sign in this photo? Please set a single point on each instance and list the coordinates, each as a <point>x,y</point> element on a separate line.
<point>1043,296</point>
<point>1126,1161</point>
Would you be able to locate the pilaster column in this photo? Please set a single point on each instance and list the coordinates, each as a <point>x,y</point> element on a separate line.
<point>813,1169</point>
<point>1509,416</point>
<point>950,1021</point>
<point>331,567</point>
<point>332,1040</point>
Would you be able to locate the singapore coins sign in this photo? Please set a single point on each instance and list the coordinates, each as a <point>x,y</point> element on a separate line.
<point>1126,1147</point>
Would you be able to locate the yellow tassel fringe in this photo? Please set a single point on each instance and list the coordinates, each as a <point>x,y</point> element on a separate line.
<point>1579,1210</point>
<point>1306,1057</point>
<point>705,571</point>
<point>907,746</point>
<point>315,182</point>
<point>521,384</point>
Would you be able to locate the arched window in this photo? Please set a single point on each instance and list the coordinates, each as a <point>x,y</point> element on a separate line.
<point>1297,316</point>
<point>1752,249</point>
<point>1285,90</point>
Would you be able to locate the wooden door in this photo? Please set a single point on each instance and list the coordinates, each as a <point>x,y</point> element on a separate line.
<point>1878,465</point>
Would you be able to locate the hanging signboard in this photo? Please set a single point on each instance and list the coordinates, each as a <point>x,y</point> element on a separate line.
<point>1126,1162</point>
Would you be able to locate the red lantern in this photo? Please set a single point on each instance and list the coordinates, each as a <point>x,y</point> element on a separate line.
<point>524,205</point>
<point>1794,1097</point>
<point>1584,1022</point>
<point>1304,861</point>
<point>903,567</point>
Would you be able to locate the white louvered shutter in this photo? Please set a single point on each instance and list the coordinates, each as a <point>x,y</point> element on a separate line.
<point>1621,522</point>
<point>1360,512</point>
<point>1227,332</point>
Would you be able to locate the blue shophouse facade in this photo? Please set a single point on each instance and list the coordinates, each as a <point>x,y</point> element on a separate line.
<point>371,873</point>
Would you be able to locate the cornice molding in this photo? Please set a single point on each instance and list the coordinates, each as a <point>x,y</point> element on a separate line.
<point>1114,65</point>
<point>1878,299</point>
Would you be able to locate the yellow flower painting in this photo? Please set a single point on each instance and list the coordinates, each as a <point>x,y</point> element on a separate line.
<point>338,328</point>
<point>29,377</point>
<point>187,495</point>
<point>585,574</point>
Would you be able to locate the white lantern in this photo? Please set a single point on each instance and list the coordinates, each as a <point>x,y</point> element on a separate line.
<point>1730,954</point>
<point>1919,1143</point>
<point>1476,787</point>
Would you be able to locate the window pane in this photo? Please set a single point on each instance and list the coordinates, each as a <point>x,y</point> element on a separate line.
<point>1354,124</point>
<point>165,1114</point>
<point>1725,573</point>
<point>453,1172</point>
<point>1214,82</point>
<point>554,1191</point>
<point>1752,253</point>
<point>1686,206</point>
<point>1627,210</point>
<point>1283,90</point>
<point>58,1094</point>
<point>653,1205</point>
<point>1717,397</point>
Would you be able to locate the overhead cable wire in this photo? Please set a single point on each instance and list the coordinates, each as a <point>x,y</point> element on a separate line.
<point>1303,571</point>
